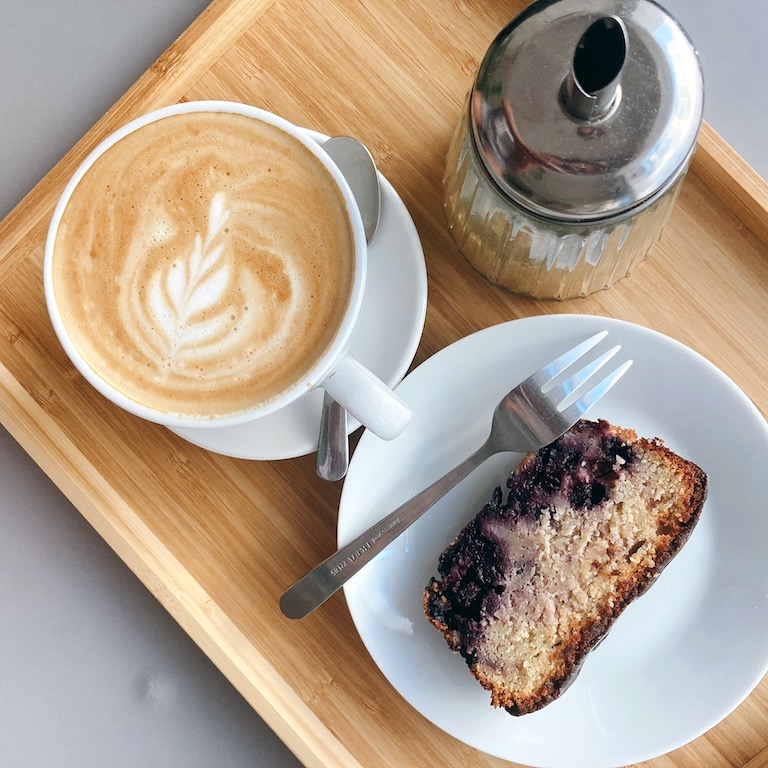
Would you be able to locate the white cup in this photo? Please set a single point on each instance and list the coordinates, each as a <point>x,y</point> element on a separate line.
<point>366,398</point>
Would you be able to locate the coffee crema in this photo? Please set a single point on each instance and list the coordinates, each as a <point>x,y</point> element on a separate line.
<point>204,264</point>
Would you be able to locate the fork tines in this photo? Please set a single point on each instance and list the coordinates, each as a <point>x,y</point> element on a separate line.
<point>566,390</point>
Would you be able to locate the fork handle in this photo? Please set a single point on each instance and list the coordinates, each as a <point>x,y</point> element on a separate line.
<point>323,580</point>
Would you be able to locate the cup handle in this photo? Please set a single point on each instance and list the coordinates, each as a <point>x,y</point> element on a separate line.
<point>368,399</point>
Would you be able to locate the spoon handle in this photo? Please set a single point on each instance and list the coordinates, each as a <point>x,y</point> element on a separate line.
<point>333,444</point>
<point>323,580</point>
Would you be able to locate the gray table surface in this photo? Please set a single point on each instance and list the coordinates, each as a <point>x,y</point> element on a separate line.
<point>94,671</point>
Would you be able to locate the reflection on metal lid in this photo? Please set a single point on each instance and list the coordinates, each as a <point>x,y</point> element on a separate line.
<point>583,109</point>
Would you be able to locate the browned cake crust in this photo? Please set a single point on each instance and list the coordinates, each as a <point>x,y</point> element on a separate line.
<point>530,586</point>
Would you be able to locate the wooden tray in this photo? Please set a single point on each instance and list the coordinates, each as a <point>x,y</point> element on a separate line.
<point>216,539</point>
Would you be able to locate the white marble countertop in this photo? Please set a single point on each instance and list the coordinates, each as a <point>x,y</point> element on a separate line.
<point>94,671</point>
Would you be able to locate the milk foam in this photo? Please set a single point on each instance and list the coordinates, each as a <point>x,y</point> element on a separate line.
<point>204,263</point>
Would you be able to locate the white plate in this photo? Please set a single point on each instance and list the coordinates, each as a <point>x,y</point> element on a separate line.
<point>385,341</point>
<point>681,657</point>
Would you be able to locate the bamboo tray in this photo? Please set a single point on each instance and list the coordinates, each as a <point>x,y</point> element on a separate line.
<point>216,540</point>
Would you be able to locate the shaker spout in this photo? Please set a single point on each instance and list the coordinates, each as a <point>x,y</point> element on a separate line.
<point>592,87</point>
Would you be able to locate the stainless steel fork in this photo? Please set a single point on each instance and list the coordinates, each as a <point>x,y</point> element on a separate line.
<point>534,414</point>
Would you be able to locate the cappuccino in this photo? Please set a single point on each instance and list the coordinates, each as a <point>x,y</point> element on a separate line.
<point>204,264</point>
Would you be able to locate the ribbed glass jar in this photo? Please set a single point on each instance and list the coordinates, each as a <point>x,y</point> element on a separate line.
<point>536,256</point>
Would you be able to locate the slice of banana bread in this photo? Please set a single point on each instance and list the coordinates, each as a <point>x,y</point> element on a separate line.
<point>530,586</point>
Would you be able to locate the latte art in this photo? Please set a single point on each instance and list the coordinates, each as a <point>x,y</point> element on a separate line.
<point>204,264</point>
<point>186,314</point>
<point>178,296</point>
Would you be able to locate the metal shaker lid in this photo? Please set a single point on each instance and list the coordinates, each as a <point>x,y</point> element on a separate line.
<point>584,109</point>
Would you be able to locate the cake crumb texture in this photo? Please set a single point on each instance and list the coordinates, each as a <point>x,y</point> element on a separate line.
<point>533,583</point>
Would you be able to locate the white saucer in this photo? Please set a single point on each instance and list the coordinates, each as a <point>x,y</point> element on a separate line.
<point>385,341</point>
<point>681,657</point>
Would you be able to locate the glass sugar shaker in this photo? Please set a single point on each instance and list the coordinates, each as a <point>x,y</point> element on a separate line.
<point>570,153</point>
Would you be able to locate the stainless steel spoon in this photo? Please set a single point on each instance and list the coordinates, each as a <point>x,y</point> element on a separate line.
<point>356,164</point>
